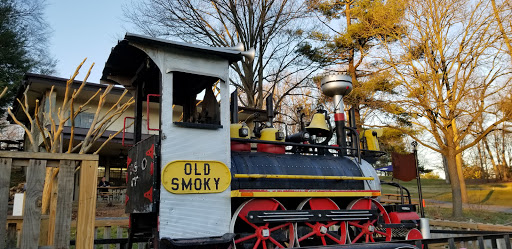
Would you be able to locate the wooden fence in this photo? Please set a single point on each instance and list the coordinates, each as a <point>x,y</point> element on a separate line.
<point>104,229</point>
<point>113,228</point>
<point>56,230</point>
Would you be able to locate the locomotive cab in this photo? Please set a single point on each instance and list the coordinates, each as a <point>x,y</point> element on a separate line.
<point>180,178</point>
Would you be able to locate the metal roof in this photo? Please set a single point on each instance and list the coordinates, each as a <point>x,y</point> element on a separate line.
<point>125,59</point>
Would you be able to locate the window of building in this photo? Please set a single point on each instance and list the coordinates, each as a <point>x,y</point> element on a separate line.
<point>82,120</point>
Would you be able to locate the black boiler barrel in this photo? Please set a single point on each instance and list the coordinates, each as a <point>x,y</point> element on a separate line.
<point>292,164</point>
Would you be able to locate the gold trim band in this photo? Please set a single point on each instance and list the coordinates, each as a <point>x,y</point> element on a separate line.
<point>276,193</point>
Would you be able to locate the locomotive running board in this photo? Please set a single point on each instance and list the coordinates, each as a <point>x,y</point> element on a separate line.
<point>310,215</point>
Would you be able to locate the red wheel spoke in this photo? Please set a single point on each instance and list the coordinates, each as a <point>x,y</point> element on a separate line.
<point>279,227</point>
<point>369,204</point>
<point>310,225</point>
<point>356,225</point>
<point>333,238</point>
<point>323,241</point>
<point>353,223</point>
<point>307,236</point>
<point>257,244</point>
<point>357,237</point>
<point>246,238</point>
<point>249,223</point>
<point>255,239</point>
<point>320,203</point>
<point>275,242</point>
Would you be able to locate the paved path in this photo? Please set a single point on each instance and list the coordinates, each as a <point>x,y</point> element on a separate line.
<point>491,208</point>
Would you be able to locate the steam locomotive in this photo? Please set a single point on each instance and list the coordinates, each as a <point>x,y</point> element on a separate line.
<point>201,178</point>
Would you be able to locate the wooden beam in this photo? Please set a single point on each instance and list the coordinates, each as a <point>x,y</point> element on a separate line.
<point>33,196</point>
<point>5,178</point>
<point>64,204</point>
<point>107,222</point>
<point>87,205</point>
<point>48,156</point>
<point>19,163</point>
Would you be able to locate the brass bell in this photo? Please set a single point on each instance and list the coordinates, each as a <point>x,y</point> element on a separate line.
<point>318,125</point>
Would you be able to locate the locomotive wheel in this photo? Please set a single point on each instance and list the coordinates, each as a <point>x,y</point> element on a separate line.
<point>366,230</point>
<point>319,232</point>
<point>268,235</point>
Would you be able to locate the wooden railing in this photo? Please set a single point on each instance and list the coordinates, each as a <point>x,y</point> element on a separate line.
<point>58,229</point>
<point>444,224</point>
<point>112,231</point>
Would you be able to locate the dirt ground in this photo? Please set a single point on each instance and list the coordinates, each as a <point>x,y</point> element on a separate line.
<point>110,210</point>
<point>105,209</point>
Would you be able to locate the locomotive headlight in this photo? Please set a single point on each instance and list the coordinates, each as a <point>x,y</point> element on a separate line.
<point>279,135</point>
<point>305,136</point>
<point>243,132</point>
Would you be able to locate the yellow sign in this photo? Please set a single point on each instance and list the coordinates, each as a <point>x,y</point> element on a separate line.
<point>196,177</point>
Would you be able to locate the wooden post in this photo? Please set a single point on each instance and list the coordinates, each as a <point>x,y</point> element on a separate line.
<point>64,204</point>
<point>12,233</point>
<point>119,235</point>
<point>106,235</point>
<point>5,178</point>
<point>87,205</point>
<point>33,202</point>
<point>43,230</point>
<point>53,211</point>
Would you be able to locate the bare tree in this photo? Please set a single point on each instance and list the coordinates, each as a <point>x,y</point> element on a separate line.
<point>52,136</point>
<point>273,28</point>
<point>451,75</point>
<point>502,14</point>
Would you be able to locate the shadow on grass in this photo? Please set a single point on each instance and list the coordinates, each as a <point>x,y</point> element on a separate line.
<point>487,197</point>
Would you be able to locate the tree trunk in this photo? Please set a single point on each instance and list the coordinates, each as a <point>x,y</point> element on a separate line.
<point>481,160</point>
<point>497,174</point>
<point>462,181</point>
<point>445,166</point>
<point>451,160</point>
<point>459,162</point>
<point>503,157</point>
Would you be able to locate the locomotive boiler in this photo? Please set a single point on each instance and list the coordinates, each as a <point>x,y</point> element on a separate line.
<point>198,177</point>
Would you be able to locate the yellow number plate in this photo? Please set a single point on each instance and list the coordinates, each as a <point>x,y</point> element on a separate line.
<point>195,177</point>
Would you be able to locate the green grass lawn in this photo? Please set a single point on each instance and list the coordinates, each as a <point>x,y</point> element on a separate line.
<point>499,194</point>
<point>489,194</point>
<point>470,215</point>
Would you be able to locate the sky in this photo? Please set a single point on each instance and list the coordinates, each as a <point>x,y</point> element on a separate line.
<point>84,29</point>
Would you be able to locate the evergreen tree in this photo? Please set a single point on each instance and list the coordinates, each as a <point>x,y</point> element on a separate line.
<point>14,60</point>
<point>355,29</point>
<point>23,44</point>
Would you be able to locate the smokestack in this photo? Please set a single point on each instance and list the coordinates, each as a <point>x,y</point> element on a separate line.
<point>337,86</point>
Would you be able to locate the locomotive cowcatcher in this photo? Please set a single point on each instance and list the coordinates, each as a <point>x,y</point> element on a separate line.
<point>204,173</point>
